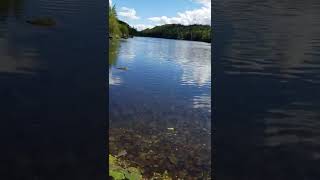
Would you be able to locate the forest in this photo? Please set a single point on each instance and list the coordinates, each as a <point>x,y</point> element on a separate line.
<point>178,31</point>
<point>120,29</point>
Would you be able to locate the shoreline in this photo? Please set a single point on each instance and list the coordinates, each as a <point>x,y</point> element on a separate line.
<point>118,38</point>
<point>172,38</point>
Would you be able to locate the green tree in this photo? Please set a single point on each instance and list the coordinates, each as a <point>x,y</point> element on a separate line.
<point>114,29</point>
<point>178,31</point>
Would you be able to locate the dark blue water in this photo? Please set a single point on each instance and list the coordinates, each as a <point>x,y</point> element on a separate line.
<point>52,90</point>
<point>267,71</point>
<point>167,84</point>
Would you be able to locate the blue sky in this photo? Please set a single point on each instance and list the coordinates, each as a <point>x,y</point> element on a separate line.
<point>149,13</point>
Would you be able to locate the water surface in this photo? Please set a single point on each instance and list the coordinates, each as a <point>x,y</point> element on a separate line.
<point>167,84</point>
<point>267,84</point>
<point>52,90</point>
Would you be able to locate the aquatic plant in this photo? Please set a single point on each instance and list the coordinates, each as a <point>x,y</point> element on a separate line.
<point>120,170</point>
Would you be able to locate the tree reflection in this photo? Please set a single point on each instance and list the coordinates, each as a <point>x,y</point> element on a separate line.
<point>113,52</point>
<point>9,7</point>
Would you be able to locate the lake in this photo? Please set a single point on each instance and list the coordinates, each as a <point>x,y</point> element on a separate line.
<point>267,99</point>
<point>52,90</point>
<point>160,104</point>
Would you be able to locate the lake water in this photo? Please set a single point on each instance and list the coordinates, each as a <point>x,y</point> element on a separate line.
<point>52,90</point>
<point>155,85</point>
<point>267,67</point>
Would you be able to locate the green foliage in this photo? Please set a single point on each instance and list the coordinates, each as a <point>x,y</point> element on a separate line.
<point>178,31</point>
<point>114,28</point>
<point>119,28</point>
<point>124,30</point>
<point>164,176</point>
<point>120,170</point>
<point>114,45</point>
<point>131,31</point>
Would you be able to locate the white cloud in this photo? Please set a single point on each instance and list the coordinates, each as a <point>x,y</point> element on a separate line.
<point>128,13</point>
<point>206,3</point>
<point>141,27</point>
<point>110,2</point>
<point>196,16</point>
<point>201,15</point>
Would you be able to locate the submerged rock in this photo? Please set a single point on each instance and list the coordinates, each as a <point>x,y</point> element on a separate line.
<point>42,21</point>
<point>122,68</point>
<point>122,153</point>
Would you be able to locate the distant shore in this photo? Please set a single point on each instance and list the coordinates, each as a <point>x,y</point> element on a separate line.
<point>173,39</point>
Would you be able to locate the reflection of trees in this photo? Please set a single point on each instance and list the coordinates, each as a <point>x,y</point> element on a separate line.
<point>114,46</point>
<point>14,58</point>
<point>9,7</point>
<point>113,52</point>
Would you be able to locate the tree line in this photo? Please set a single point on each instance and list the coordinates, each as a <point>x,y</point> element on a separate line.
<point>120,29</point>
<point>178,31</point>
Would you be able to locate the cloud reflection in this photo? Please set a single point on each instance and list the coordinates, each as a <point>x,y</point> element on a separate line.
<point>202,102</point>
<point>113,80</point>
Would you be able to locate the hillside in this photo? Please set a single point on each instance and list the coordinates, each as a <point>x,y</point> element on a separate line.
<point>118,28</point>
<point>177,31</point>
<point>131,30</point>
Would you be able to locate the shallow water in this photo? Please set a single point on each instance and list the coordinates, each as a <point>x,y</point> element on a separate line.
<point>51,90</point>
<point>267,84</point>
<point>166,84</point>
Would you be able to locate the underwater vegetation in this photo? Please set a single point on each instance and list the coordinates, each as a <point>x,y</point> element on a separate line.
<point>120,170</point>
<point>167,152</point>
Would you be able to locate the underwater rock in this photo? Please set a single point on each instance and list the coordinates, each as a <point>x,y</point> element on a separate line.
<point>122,153</point>
<point>122,68</point>
<point>155,150</point>
<point>173,159</point>
<point>42,21</point>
